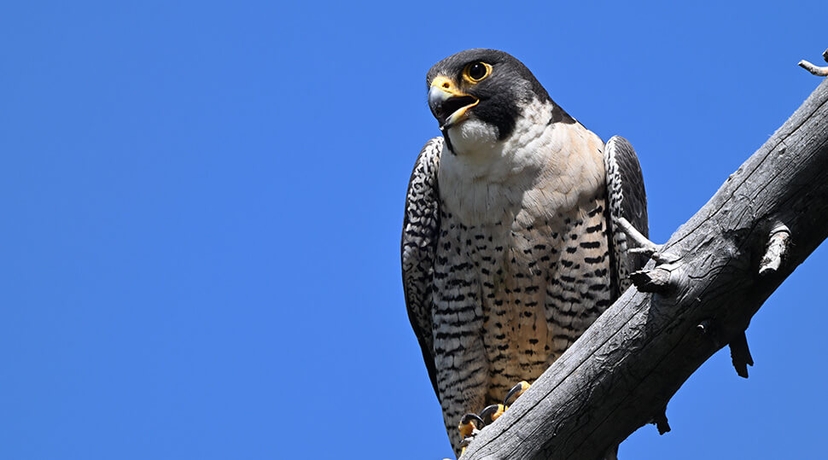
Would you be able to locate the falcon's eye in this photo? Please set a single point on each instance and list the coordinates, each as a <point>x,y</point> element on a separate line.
<point>476,71</point>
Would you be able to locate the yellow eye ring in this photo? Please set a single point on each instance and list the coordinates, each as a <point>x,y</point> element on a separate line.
<point>476,71</point>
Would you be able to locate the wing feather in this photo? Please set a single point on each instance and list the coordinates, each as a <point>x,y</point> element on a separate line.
<point>421,226</point>
<point>626,198</point>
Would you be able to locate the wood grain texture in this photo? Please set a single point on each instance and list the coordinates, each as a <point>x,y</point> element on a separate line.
<point>623,371</point>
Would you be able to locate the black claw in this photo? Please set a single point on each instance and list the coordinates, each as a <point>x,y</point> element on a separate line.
<point>515,392</point>
<point>491,413</point>
<point>469,418</point>
<point>467,424</point>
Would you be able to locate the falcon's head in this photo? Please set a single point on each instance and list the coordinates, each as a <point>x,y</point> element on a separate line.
<point>479,95</point>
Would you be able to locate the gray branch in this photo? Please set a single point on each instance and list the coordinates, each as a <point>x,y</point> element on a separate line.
<point>726,261</point>
<point>776,251</point>
<point>814,69</point>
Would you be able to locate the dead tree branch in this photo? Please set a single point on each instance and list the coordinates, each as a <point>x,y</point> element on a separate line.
<point>815,69</point>
<point>724,263</point>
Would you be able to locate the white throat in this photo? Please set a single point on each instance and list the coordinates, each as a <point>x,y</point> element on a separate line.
<point>489,181</point>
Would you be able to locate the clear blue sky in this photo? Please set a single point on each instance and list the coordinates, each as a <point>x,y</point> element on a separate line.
<point>201,206</point>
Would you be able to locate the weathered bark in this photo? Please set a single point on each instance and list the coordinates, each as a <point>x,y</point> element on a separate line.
<point>816,70</point>
<point>713,275</point>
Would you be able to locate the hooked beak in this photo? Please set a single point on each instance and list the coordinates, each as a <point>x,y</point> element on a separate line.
<point>448,104</point>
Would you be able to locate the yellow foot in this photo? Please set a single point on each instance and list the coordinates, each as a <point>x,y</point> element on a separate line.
<point>469,426</point>
<point>493,412</point>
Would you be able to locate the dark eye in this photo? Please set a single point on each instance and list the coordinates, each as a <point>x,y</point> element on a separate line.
<point>477,71</point>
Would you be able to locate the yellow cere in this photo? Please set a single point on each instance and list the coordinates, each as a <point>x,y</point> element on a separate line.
<point>445,83</point>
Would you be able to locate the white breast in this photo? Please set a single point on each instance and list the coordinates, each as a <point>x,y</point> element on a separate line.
<point>540,168</point>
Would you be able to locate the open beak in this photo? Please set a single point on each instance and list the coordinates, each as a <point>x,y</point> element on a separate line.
<point>448,104</point>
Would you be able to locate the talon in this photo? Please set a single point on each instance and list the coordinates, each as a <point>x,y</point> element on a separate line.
<point>515,392</point>
<point>470,424</point>
<point>467,425</point>
<point>468,429</point>
<point>491,413</point>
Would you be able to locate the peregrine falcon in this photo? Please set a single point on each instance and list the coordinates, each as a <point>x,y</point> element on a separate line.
<point>510,247</point>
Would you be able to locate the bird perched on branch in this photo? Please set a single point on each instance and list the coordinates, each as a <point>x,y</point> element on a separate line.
<point>509,246</point>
